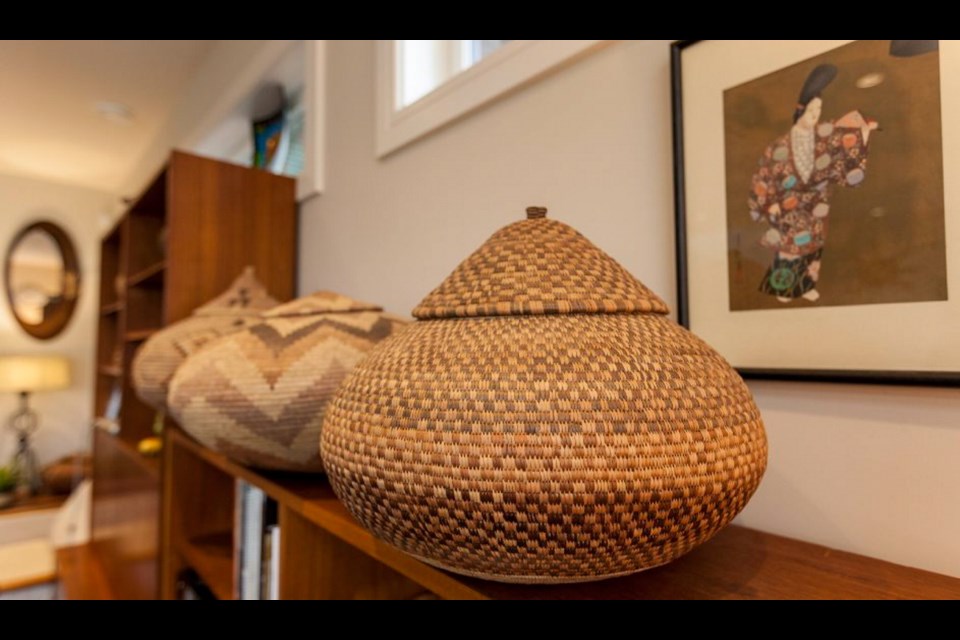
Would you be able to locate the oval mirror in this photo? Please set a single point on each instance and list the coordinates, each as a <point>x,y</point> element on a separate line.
<point>42,279</point>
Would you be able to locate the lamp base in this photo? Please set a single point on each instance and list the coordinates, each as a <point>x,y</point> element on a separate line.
<point>24,422</point>
<point>28,471</point>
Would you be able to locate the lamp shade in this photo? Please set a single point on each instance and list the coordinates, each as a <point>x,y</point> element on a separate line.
<point>34,373</point>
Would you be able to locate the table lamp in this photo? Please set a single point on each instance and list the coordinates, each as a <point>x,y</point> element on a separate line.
<point>25,375</point>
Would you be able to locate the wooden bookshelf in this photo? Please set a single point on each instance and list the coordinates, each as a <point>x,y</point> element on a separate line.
<point>113,307</point>
<point>126,447</point>
<point>151,276</point>
<point>110,370</point>
<point>139,335</point>
<point>211,556</point>
<point>316,562</point>
<point>326,554</point>
<point>180,243</point>
<point>81,575</point>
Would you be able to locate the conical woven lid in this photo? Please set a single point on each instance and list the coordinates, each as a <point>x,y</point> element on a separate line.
<point>246,296</point>
<point>320,302</point>
<point>538,267</point>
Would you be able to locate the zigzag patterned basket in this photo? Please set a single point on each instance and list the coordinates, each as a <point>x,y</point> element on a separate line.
<point>544,421</point>
<point>259,395</point>
<point>159,357</point>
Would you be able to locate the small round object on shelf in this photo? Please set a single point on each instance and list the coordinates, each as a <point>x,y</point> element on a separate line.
<point>150,447</point>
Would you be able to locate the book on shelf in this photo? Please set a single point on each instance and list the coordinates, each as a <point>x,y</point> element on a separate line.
<point>256,544</point>
<point>270,565</point>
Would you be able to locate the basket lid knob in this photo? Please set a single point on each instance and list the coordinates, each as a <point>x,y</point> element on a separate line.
<point>536,212</point>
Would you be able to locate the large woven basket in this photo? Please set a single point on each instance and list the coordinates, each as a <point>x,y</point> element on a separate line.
<point>259,395</point>
<point>544,421</point>
<point>160,356</point>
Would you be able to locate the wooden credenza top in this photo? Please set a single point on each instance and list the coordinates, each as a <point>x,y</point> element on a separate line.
<point>739,563</point>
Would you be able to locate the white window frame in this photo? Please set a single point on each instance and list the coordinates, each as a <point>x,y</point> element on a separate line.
<point>311,182</point>
<point>513,65</point>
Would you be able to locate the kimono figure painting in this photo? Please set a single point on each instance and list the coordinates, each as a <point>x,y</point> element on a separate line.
<point>821,207</point>
<point>790,191</point>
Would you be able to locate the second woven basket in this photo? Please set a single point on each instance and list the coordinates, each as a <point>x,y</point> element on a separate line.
<point>259,395</point>
<point>544,421</point>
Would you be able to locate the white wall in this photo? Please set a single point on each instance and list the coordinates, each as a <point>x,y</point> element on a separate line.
<point>869,470</point>
<point>225,78</point>
<point>64,415</point>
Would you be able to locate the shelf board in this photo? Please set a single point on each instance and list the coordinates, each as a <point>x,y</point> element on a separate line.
<point>211,556</point>
<point>739,563</point>
<point>110,370</point>
<point>113,307</point>
<point>129,448</point>
<point>151,276</point>
<point>312,497</point>
<point>139,335</point>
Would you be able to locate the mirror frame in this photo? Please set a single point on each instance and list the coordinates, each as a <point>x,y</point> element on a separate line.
<point>59,321</point>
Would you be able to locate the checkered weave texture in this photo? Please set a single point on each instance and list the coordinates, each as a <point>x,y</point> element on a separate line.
<point>160,356</point>
<point>259,395</point>
<point>539,448</point>
<point>538,267</point>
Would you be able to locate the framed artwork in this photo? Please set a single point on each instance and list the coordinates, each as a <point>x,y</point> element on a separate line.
<point>817,238</point>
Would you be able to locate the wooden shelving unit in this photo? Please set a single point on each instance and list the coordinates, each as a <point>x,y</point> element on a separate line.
<point>151,276</point>
<point>126,447</point>
<point>326,554</point>
<point>139,335</point>
<point>211,556</point>
<point>181,242</point>
<point>322,551</point>
<point>110,370</point>
<point>113,307</point>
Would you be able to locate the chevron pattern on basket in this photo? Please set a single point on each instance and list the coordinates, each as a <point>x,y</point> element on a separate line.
<point>260,395</point>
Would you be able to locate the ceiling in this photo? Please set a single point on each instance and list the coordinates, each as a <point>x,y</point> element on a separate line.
<point>50,127</point>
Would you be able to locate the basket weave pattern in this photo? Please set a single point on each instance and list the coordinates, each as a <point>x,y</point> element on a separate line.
<point>159,357</point>
<point>552,447</point>
<point>259,395</point>
<point>538,267</point>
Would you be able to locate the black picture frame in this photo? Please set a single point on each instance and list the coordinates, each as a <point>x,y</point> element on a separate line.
<point>884,377</point>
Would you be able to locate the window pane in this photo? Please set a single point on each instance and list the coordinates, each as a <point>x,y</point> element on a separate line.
<point>424,65</point>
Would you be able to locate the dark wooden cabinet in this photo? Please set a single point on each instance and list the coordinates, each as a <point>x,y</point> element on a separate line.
<point>182,242</point>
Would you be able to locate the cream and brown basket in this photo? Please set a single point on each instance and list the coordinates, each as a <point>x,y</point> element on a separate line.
<point>160,356</point>
<point>259,395</point>
<point>544,421</point>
